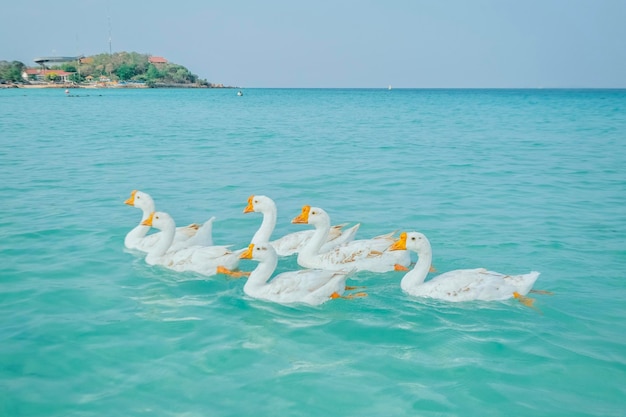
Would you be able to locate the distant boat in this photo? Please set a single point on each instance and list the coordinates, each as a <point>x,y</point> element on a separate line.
<point>239,93</point>
<point>389,88</point>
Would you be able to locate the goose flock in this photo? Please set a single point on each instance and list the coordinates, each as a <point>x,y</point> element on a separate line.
<point>328,255</point>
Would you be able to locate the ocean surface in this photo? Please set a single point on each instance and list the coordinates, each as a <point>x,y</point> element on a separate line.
<point>510,180</point>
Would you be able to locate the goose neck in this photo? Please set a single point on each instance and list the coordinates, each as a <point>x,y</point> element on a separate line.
<point>260,275</point>
<point>417,275</point>
<point>266,229</point>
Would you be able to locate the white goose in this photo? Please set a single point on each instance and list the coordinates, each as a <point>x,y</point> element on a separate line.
<point>138,238</point>
<point>361,255</point>
<point>462,284</point>
<point>310,286</point>
<point>201,259</point>
<point>292,242</point>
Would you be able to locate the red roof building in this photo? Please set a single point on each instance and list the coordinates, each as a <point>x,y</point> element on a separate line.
<point>157,60</point>
<point>39,74</point>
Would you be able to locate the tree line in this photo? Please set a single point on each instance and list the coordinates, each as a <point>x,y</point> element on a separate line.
<point>11,71</point>
<point>119,66</point>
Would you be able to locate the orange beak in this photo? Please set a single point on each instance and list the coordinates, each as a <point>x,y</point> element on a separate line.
<point>148,221</point>
<point>131,199</point>
<point>248,253</point>
<point>250,207</point>
<point>303,218</point>
<point>399,244</point>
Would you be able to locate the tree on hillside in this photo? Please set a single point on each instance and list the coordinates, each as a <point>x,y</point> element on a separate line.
<point>76,77</point>
<point>153,72</point>
<point>125,72</point>
<point>11,71</point>
<point>68,67</point>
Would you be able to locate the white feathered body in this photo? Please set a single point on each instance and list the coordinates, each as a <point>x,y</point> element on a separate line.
<point>201,259</point>
<point>360,255</point>
<point>139,239</point>
<point>460,284</point>
<point>309,286</point>
<point>291,243</point>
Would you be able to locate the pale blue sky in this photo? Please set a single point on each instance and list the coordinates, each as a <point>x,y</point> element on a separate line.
<point>341,43</point>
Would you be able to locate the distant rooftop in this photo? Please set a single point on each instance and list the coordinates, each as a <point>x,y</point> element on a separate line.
<point>157,60</point>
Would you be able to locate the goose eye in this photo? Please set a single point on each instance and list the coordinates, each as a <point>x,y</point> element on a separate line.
<point>413,238</point>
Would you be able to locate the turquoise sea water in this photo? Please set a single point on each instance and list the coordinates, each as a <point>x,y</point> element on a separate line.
<point>510,180</point>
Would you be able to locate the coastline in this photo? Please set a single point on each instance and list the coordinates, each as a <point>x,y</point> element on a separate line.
<point>110,85</point>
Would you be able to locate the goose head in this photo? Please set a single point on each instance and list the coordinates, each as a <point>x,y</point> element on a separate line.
<point>141,200</point>
<point>414,241</point>
<point>159,220</point>
<point>259,252</point>
<point>312,215</point>
<point>259,204</point>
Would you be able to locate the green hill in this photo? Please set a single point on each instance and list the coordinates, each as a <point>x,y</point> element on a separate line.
<point>121,67</point>
<point>132,66</point>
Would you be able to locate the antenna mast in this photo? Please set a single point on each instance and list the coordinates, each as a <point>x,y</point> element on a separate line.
<point>110,50</point>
